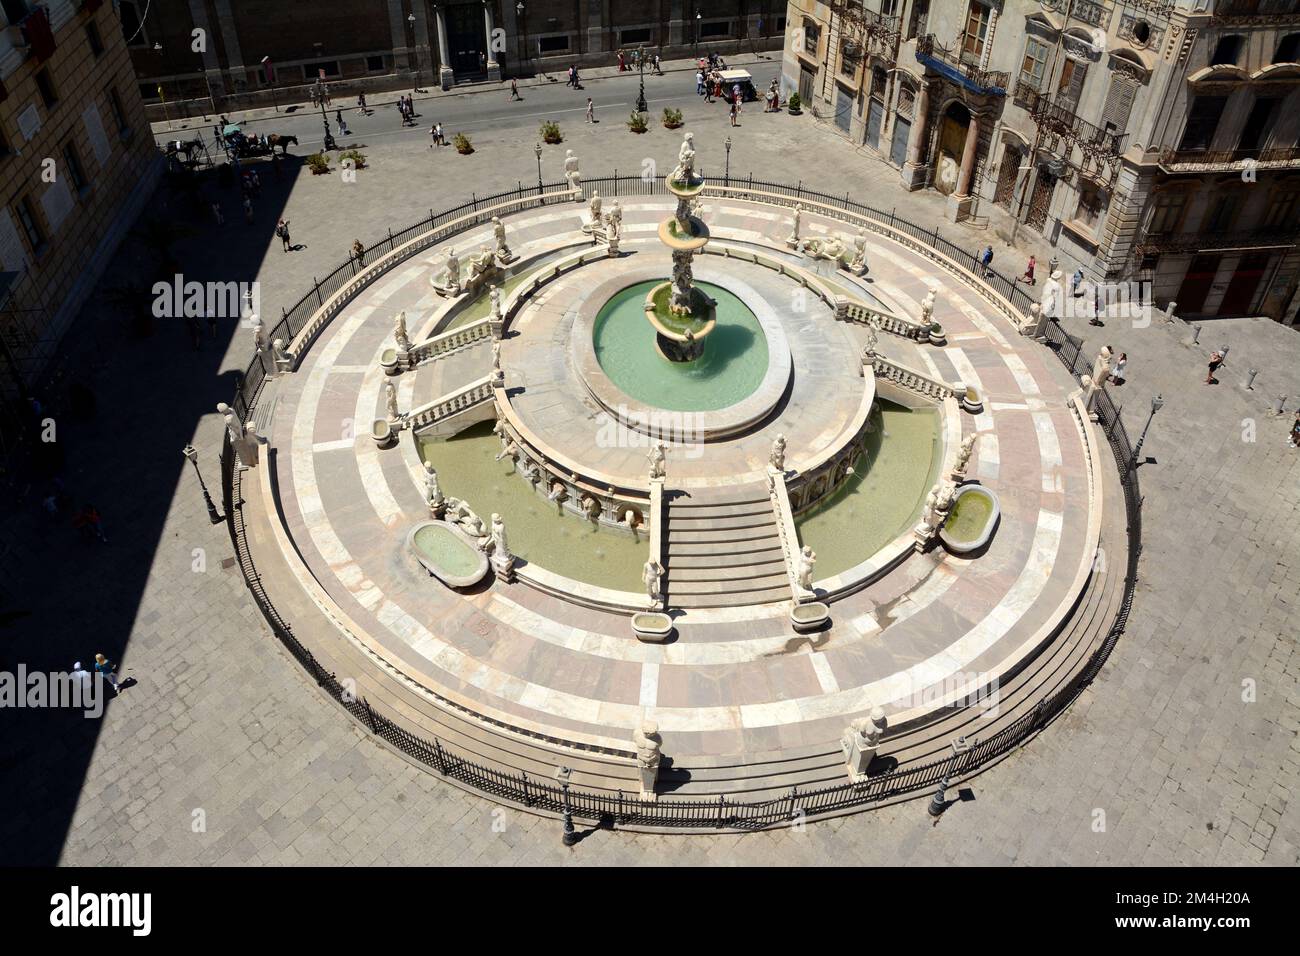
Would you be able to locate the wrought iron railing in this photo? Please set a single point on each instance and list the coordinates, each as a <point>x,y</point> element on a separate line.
<point>984,81</point>
<point>1059,120</point>
<point>1269,155</point>
<point>668,812</point>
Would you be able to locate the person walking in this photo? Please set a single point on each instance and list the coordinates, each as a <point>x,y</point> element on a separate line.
<point>514,90</point>
<point>1029,271</point>
<point>1216,359</point>
<point>439,139</point>
<point>591,111</point>
<point>1294,439</point>
<point>433,135</point>
<point>88,521</point>
<point>1117,373</point>
<point>699,82</point>
<point>735,108</point>
<point>659,71</point>
<point>248,209</point>
<point>986,259</point>
<point>361,103</point>
<point>108,670</point>
<point>569,82</point>
<point>282,230</point>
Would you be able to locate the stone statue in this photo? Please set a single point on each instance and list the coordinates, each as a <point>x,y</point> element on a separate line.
<point>451,275</point>
<point>480,265</point>
<point>233,428</point>
<point>685,169</point>
<point>858,266</point>
<point>1032,323</point>
<point>777,456</point>
<point>1051,297</point>
<point>963,456</point>
<point>497,374</point>
<point>650,575</point>
<point>657,460</point>
<point>433,496</point>
<point>249,446</point>
<point>947,493</point>
<point>280,356</point>
<point>873,340</point>
<point>807,561</point>
<point>614,219</point>
<point>390,399</point>
<point>259,334</point>
<point>572,174</point>
<point>503,253</point>
<point>500,546</point>
<point>858,748</point>
<point>399,333</point>
<point>494,296</point>
<point>927,306</point>
<point>558,491</point>
<point>1101,367</point>
<point>649,747</point>
<point>509,450</point>
<point>793,239</point>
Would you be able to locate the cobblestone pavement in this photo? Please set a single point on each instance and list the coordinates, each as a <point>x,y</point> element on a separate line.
<point>1163,744</point>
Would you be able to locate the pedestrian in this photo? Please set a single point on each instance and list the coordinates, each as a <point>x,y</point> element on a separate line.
<point>217,214</point>
<point>1097,305</point>
<point>108,670</point>
<point>1294,439</point>
<point>1076,281</point>
<point>622,64</point>
<point>1216,359</point>
<point>343,127</point>
<point>709,87</point>
<point>658,68</point>
<point>1117,373</point>
<point>735,108</point>
<point>1029,271</point>
<point>88,521</point>
<point>433,135</point>
<point>577,79</point>
<point>699,82</point>
<point>361,103</point>
<point>282,230</point>
<point>442,140</point>
<point>248,209</point>
<point>572,76</point>
<point>986,258</point>
<point>591,111</point>
<point>514,90</point>
<point>358,252</point>
<point>82,675</point>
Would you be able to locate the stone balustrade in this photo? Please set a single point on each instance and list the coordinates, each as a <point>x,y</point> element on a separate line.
<point>886,322</point>
<point>440,410</point>
<point>914,381</point>
<point>449,342</point>
<point>785,528</point>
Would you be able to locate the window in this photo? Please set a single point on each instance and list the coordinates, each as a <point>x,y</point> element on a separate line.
<point>46,89</point>
<point>1226,51</point>
<point>780,25</point>
<point>812,35</point>
<point>879,83</point>
<point>1119,103</point>
<point>850,54</point>
<point>31,228</point>
<point>1070,87</point>
<point>119,114</point>
<point>1168,214</point>
<point>977,28</point>
<point>1281,213</point>
<point>1034,63</point>
<point>916,23</point>
<point>312,71</point>
<point>1202,121</point>
<point>375,64</point>
<point>632,37</point>
<point>93,38</point>
<point>72,165</point>
<point>1222,213</point>
<point>889,8</point>
<point>1259,122</point>
<point>1288,50</point>
<point>558,44</point>
<point>132,26</point>
<point>1092,205</point>
<point>718,28</point>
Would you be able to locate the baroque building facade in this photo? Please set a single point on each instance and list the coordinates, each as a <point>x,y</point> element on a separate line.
<point>1145,140</point>
<point>77,163</point>
<point>254,47</point>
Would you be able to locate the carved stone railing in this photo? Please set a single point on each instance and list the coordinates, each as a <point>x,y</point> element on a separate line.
<point>441,410</point>
<point>449,342</point>
<point>786,532</point>
<point>893,324</point>
<point>913,380</point>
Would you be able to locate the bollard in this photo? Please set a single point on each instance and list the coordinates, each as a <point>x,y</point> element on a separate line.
<point>1169,311</point>
<point>1196,335</point>
<point>937,801</point>
<point>1278,405</point>
<point>1250,379</point>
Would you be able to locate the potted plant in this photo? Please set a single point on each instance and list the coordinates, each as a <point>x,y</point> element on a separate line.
<point>794,104</point>
<point>672,118</point>
<point>550,132</point>
<point>318,164</point>
<point>462,144</point>
<point>636,123</point>
<point>357,157</point>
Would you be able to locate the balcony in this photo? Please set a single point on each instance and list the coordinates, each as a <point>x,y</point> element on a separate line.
<point>1088,11</point>
<point>935,55</point>
<point>33,32</point>
<point>1174,243</point>
<point>868,30</point>
<point>1060,121</point>
<point>1228,160</point>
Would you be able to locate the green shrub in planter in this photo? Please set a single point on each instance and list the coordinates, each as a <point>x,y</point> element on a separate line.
<point>358,158</point>
<point>318,164</point>
<point>794,104</point>
<point>550,132</point>
<point>462,144</point>
<point>636,123</point>
<point>672,117</point>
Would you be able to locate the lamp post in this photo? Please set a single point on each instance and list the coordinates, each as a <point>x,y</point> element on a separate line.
<point>538,151</point>
<point>320,100</point>
<point>415,49</point>
<point>698,18</point>
<point>524,52</point>
<point>641,106</point>
<point>1157,403</point>
<point>570,837</point>
<point>726,178</point>
<point>270,78</point>
<point>192,454</point>
<point>157,48</point>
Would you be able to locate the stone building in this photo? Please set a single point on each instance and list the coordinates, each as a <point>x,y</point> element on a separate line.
<point>1147,140</point>
<point>254,47</point>
<point>77,162</point>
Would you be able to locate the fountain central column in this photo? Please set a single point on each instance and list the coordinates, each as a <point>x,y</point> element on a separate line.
<point>683,316</point>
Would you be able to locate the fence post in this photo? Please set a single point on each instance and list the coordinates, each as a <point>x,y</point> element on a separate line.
<point>528,800</point>
<point>722,802</point>
<point>316,283</point>
<point>619,816</point>
<point>370,715</point>
<point>437,749</point>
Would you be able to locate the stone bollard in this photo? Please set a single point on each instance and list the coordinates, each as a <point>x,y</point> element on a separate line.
<point>860,741</point>
<point>1169,311</point>
<point>1279,404</point>
<point>1196,335</point>
<point>937,802</point>
<point>1249,384</point>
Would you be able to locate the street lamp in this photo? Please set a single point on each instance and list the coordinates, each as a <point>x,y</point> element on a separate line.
<point>270,78</point>
<point>562,775</point>
<point>1157,403</point>
<point>192,454</point>
<point>727,175</point>
<point>320,100</point>
<point>415,48</point>
<point>641,106</point>
<point>538,151</point>
<point>157,48</point>
<point>698,18</point>
<point>524,52</point>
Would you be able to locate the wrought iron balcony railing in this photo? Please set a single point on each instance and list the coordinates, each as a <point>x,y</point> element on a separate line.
<point>1058,120</point>
<point>949,62</point>
<point>1152,243</point>
<point>1271,157</point>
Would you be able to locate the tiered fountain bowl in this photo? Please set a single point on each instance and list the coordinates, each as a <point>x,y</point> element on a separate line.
<point>680,331</point>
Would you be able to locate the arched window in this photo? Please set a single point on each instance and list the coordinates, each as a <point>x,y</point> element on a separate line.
<point>1288,49</point>
<point>1227,51</point>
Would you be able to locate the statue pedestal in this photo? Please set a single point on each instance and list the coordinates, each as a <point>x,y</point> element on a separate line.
<point>504,566</point>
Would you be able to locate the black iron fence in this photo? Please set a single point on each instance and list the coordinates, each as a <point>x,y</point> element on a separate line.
<point>615,807</point>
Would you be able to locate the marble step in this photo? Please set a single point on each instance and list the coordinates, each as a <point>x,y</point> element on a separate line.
<point>721,522</point>
<point>769,570</point>
<point>729,558</point>
<point>738,588</point>
<point>763,507</point>
<point>722,538</point>
<point>701,601</point>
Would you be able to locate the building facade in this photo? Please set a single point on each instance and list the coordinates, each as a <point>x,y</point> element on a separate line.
<point>1147,140</point>
<point>77,163</point>
<point>245,53</point>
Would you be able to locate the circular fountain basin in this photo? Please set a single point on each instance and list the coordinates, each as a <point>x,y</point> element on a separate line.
<point>741,374</point>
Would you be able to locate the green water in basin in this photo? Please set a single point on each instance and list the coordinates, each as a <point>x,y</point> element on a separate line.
<point>481,307</point>
<point>969,517</point>
<point>441,546</point>
<point>562,543</point>
<point>884,495</point>
<point>732,367</point>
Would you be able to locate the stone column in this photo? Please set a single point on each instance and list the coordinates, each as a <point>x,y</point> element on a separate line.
<point>446,76</point>
<point>959,202</point>
<point>493,67</point>
<point>510,23</point>
<point>914,170</point>
<point>230,39</point>
<point>676,23</point>
<point>597,21</point>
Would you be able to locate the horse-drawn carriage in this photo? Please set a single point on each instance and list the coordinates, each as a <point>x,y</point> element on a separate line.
<point>241,145</point>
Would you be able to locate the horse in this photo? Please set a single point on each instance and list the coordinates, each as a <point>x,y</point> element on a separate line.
<point>282,140</point>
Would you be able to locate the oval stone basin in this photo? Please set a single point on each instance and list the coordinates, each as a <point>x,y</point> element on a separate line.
<point>447,554</point>
<point>652,626</point>
<point>809,616</point>
<point>970,524</point>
